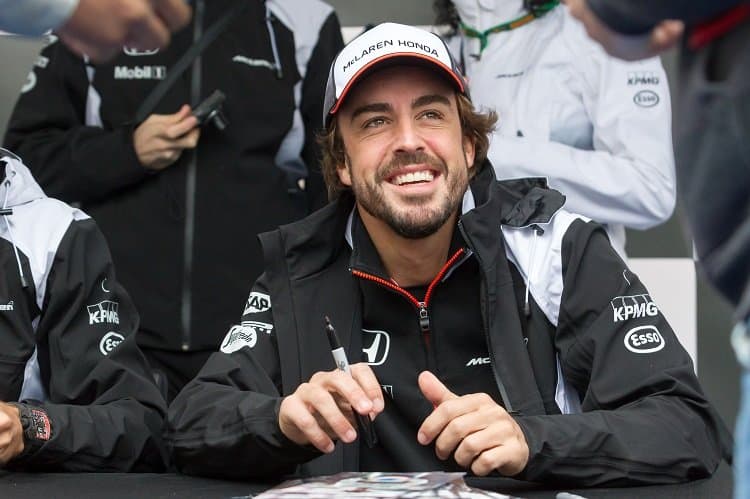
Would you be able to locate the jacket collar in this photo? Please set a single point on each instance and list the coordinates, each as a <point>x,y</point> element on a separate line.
<point>484,14</point>
<point>17,185</point>
<point>519,203</point>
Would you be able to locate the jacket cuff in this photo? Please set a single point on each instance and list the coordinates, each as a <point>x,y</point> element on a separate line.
<point>37,429</point>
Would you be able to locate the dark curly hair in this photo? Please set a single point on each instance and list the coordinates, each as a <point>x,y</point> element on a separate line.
<point>446,14</point>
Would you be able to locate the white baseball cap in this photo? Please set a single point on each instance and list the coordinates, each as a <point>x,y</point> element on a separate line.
<point>386,44</point>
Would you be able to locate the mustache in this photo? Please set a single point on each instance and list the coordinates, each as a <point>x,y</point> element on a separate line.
<point>403,159</point>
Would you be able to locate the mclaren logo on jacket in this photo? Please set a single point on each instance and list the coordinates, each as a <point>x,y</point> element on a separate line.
<point>256,303</point>
<point>633,307</point>
<point>244,334</point>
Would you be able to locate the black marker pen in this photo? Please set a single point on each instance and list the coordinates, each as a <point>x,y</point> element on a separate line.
<point>364,425</point>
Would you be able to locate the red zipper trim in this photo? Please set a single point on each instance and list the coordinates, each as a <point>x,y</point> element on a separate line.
<point>392,285</point>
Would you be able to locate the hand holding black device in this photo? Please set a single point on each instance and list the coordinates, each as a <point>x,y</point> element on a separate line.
<point>364,425</point>
<point>210,110</point>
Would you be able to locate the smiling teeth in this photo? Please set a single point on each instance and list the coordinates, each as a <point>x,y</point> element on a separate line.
<point>409,178</point>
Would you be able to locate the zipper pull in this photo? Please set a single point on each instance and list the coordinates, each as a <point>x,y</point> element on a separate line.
<point>424,318</point>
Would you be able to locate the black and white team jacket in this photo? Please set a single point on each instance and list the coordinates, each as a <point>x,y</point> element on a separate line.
<point>590,344</point>
<point>67,338</point>
<point>199,218</point>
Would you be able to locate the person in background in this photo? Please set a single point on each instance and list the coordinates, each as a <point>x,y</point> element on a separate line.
<point>491,330</point>
<point>596,127</point>
<point>76,394</point>
<point>712,132</point>
<point>180,203</point>
<point>97,28</point>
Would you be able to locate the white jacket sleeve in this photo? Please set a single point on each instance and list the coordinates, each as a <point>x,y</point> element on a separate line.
<point>628,178</point>
<point>34,17</point>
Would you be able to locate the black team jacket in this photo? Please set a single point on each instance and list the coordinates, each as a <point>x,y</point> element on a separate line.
<point>67,339</point>
<point>590,344</point>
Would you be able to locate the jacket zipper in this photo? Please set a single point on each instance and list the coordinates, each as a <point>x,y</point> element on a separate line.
<point>190,182</point>
<point>486,327</point>
<point>423,314</point>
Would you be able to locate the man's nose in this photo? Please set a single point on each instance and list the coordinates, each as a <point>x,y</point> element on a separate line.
<point>408,137</point>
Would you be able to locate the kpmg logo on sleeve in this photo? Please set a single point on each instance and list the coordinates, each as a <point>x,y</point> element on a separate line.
<point>636,78</point>
<point>633,307</point>
<point>104,312</point>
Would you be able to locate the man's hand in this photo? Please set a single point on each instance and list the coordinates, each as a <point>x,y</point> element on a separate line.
<point>160,140</point>
<point>11,433</point>
<point>320,411</point>
<point>663,36</point>
<point>100,28</point>
<point>480,434</point>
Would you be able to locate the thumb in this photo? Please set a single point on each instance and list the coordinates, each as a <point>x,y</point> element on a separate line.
<point>433,389</point>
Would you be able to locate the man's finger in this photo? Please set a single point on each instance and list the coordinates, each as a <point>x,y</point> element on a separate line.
<point>365,377</point>
<point>174,13</point>
<point>149,33</point>
<point>323,402</point>
<point>187,141</point>
<point>666,35</point>
<point>433,389</point>
<point>506,459</point>
<point>462,432</point>
<point>346,387</point>
<point>295,421</point>
<point>182,127</point>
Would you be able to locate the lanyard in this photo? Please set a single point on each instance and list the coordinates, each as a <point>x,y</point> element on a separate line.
<point>537,11</point>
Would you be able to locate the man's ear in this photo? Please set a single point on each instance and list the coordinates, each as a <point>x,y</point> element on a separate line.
<point>344,173</point>
<point>469,151</point>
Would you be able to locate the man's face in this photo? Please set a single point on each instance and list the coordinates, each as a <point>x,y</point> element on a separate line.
<point>407,160</point>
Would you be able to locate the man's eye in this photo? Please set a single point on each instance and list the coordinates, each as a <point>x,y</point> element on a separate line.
<point>432,115</point>
<point>374,122</point>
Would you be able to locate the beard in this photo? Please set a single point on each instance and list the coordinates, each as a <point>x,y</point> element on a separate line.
<point>415,220</point>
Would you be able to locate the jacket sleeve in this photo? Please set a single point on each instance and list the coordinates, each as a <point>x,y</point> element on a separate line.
<point>105,411</point>
<point>643,418</point>
<point>313,91</point>
<point>34,17</point>
<point>627,176</point>
<point>635,17</point>
<point>225,421</point>
<point>72,160</point>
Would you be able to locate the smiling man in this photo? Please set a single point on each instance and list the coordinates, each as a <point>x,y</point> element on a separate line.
<point>493,331</point>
